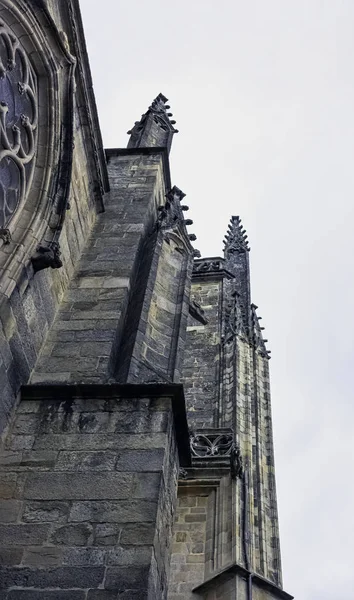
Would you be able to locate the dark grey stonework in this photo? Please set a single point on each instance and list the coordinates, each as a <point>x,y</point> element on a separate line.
<point>111,485</point>
<point>82,516</point>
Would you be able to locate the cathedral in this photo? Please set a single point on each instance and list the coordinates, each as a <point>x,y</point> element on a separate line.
<point>136,458</point>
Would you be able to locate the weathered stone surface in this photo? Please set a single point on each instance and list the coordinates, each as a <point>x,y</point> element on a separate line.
<point>87,490</point>
<point>9,510</point>
<point>127,577</point>
<point>84,557</point>
<point>46,595</point>
<point>108,534</point>
<point>46,511</point>
<point>23,534</point>
<point>86,461</point>
<point>72,535</point>
<point>57,486</point>
<point>102,595</point>
<point>123,511</point>
<point>10,557</point>
<point>107,441</point>
<point>129,555</point>
<point>137,533</point>
<point>63,577</point>
<point>43,557</point>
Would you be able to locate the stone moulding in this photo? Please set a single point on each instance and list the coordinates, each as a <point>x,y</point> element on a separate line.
<point>235,570</point>
<point>211,267</point>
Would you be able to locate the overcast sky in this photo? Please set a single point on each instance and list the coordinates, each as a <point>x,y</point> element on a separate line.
<point>263,95</point>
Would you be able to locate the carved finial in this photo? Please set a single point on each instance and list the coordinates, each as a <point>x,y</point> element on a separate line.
<point>171,213</point>
<point>236,238</point>
<point>155,127</point>
<point>258,340</point>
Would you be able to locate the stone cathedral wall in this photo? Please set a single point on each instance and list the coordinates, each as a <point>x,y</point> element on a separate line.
<point>88,483</point>
<point>106,491</point>
<point>28,300</point>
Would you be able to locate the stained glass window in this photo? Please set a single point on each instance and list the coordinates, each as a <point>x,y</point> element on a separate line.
<point>18,124</point>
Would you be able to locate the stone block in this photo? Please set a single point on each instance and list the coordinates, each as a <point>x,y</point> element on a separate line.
<point>42,557</point>
<point>125,578</point>
<point>42,511</point>
<point>23,534</point>
<point>99,442</point>
<point>46,595</point>
<point>72,535</point>
<point>19,442</point>
<point>10,557</point>
<point>83,557</point>
<point>102,595</point>
<point>134,595</point>
<point>87,461</point>
<point>108,534</point>
<point>132,511</point>
<point>137,533</point>
<point>146,485</point>
<point>140,460</point>
<point>79,486</point>
<point>9,511</point>
<point>130,555</point>
<point>62,577</point>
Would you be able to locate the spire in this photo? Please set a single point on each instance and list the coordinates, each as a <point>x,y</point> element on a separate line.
<point>236,253</point>
<point>236,238</point>
<point>155,127</point>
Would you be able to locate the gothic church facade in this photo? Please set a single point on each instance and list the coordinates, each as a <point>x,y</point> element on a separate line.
<point>137,455</point>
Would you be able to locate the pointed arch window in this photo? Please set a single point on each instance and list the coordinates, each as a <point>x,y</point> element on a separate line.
<point>18,124</point>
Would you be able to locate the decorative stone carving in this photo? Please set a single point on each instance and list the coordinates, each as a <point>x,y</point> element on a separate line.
<point>156,113</point>
<point>47,256</point>
<point>211,444</point>
<point>208,266</point>
<point>18,123</point>
<point>183,473</point>
<point>196,311</point>
<point>5,235</point>
<point>257,337</point>
<point>235,320</point>
<point>171,214</point>
<point>171,219</point>
<point>236,238</point>
<point>236,462</point>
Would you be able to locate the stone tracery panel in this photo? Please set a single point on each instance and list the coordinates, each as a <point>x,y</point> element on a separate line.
<point>18,124</point>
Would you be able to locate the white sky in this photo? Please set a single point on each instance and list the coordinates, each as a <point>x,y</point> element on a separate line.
<point>263,95</point>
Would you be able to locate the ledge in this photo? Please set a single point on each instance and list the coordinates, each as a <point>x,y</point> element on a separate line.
<point>236,569</point>
<point>60,392</point>
<point>211,273</point>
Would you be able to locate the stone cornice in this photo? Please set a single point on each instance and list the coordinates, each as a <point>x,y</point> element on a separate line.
<point>211,268</point>
<point>236,569</point>
<point>67,392</point>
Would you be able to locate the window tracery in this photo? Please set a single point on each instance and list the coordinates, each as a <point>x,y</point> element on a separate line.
<point>18,124</point>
